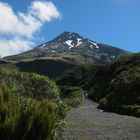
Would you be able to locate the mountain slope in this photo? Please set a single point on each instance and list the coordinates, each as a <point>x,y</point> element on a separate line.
<point>64,52</point>
<point>73,48</point>
<point>51,68</point>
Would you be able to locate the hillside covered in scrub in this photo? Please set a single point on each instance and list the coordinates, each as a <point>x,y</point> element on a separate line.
<point>33,106</point>
<point>30,106</point>
<point>115,86</point>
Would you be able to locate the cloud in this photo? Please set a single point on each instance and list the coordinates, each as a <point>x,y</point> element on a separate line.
<point>39,9</point>
<point>14,46</point>
<point>23,25</point>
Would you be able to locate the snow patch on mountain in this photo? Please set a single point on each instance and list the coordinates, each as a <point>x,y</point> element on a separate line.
<point>42,46</point>
<point>95,44</point>
<point>69,43</point>
<point>53,51</point>
<point>113,56</point>
<point>91,46</point>
<point>79,41</point>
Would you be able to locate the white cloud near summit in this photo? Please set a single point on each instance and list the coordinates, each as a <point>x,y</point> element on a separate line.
<point>14,46</point>
<point>22,26</point>
<point>39,9</point>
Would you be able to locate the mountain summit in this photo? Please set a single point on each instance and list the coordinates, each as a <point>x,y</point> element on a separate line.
<point>70,40</point>
<point>73,48</point>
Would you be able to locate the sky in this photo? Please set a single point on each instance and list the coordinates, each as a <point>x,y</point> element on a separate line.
<point>24,24</point>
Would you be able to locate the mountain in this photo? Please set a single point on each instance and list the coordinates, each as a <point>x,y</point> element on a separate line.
<point>64,52</point>
<point>73,48</point>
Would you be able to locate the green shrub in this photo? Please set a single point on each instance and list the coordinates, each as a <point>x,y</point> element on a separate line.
<point>29,92</point>
<point>22,118</point>
<point>129,110</point>
<point>37,86</point>
<point>103,103</point>
<point>78,76</point>
<point>29,84</point>
<point>123,90</point>
<point>73,96</point>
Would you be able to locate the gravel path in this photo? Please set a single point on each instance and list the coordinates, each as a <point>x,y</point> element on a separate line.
<point>89,123</point>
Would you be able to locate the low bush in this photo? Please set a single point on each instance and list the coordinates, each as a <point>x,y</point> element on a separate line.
<point>129,110</point>
<point>78,76</point>
<point>72,96</point>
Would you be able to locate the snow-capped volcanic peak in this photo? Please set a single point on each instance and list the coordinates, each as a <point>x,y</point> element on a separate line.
<point>71,40</point>
<point>71,46</point>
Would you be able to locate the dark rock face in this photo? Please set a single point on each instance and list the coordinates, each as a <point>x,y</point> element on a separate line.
<point>73,48</point>
<point>45,67</point>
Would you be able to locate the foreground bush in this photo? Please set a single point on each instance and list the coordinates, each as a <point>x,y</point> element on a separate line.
<point>24,118</point>
<point>35,99</point>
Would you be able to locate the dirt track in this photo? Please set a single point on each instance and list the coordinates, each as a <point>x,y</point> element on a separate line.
<point>89,123</point>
